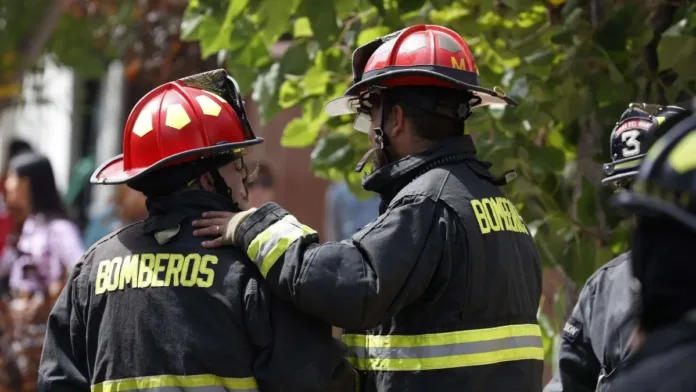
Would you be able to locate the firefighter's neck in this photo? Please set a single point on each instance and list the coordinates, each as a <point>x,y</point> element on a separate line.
<point>409,143</point>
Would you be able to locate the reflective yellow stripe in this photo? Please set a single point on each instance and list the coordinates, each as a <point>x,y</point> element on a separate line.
<point>633,163</point>
<point>268,246</point>
<point>682,158</point>
<point>171,383</point>
<point>445,350</point>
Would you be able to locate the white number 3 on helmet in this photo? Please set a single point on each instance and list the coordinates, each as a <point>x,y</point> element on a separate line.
<point>630,140</point>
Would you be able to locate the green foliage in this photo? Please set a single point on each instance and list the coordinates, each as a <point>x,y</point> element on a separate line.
<point>84,40</point>
<point>573,73</point>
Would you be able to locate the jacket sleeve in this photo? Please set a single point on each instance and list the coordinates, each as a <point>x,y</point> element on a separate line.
<point>357,283</point>
<point>578,366</point>
<point>63,367</point>
<point>295,352</point>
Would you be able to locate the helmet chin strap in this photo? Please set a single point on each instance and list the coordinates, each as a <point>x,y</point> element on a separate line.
<point>380,138</point>
<point>222,188</point>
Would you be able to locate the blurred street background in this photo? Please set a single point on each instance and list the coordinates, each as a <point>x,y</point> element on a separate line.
<point>71,70</point>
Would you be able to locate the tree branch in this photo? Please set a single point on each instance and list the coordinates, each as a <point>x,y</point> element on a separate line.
<point>36,42</point>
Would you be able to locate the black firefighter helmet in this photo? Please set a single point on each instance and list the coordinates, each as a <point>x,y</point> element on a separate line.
<point>663,198</point>
<point>666,183</point>
<point>637,129</point>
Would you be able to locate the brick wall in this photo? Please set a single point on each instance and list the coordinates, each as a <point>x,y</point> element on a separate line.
<point>296,188</point>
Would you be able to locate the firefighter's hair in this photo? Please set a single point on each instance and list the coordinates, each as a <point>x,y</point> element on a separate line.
<point>426,125</point>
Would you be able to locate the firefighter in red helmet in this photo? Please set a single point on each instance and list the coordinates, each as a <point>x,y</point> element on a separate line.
<point>147,308</point>
<point>441,291</point>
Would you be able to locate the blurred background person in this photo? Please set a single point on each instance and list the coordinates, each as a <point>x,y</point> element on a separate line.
<point>37,258</point>
<point>10,377</point>
<point>128,206</point>
<point>16,147</point>
<point>345,214</point>
<point>261,190</point>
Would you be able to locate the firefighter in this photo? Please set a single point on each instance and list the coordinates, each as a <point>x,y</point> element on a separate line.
<point>440,292</point>
<point>147,308</point>
<point>663,202</point>
<point>596,339</point>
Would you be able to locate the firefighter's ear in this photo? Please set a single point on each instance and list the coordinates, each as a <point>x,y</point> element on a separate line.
<point>206,181</point>
<point>398,122</point>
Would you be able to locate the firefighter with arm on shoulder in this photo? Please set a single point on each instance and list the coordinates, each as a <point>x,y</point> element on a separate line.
<point>147,308</point>
<point>663,200</point>
<point>441,291</point>
<point>596,339</point>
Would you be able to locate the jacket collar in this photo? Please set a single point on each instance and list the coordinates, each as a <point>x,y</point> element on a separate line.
<point>394,176</point>
<point>681,333</point>
<point>166,212</point>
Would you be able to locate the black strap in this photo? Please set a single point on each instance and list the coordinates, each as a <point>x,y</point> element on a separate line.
<point>221,186</point>
<point>438,107</point>
<point>381,138</point>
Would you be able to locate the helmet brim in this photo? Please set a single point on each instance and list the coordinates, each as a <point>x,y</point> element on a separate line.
<point>620,176</point>
<point>337,107</point>
<point>342,106</point>
<point>112,172</point>
<point>641,204</point>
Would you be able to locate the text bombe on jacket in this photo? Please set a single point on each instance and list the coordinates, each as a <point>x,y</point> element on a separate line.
<point>155,270</point>
<point>498,214</point>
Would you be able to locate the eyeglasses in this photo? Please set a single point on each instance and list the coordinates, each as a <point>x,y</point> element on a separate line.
<point>363,106</point>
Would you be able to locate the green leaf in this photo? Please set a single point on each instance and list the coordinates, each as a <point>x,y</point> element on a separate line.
<point>344,7</point>
<point>563,37</point>
<point>265,92</point>
<point>322,15</point>
<point>610,34</point>
<point>547,159</point>
<point>295,61</point>
<point>543,58</point>
<point>587,204</point>
<point>316,81</point>
<point>379,4</point>
<point>299,133</point>
<point>244,75</point>
<point>448,14</point>
<point>333,150</point>
<point>679,54</point>
<point>276,16</point>
<point>290,94</point>
<point>221,39</point>
<point>254,54</point>
<point>410,5</point>
<point>302,28</point>
<point>193,26</point>
<point>370,34</point>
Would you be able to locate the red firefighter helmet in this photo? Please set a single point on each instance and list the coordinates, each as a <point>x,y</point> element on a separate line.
<point>420,55</point>
<point>197,117</point>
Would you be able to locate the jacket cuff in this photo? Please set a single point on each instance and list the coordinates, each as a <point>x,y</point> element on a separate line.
<point>256,223</point>
<point>229,236</point>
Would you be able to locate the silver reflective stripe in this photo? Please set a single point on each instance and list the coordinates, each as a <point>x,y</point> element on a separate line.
<point>271,244</point>
<point>447,350</point>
